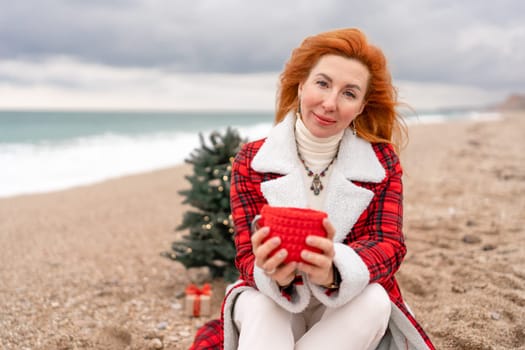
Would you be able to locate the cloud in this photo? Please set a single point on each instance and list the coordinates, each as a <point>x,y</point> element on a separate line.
<point>498,52</point>
<point>424,96</point>
<point>65,83</point>
<point>471,43</point>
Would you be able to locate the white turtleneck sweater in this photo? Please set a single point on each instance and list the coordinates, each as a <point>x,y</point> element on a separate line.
<point>317,153</point>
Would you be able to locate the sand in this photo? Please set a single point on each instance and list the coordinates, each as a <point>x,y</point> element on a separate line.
<point>81,268</point>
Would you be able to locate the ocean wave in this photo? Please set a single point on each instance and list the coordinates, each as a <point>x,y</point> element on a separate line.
<point>50,166</point>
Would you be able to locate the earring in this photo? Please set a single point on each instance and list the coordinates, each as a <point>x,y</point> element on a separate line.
<point>298,113</point>
<point>352,126</point>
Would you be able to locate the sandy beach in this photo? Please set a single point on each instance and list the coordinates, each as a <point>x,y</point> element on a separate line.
<point>81,268</point>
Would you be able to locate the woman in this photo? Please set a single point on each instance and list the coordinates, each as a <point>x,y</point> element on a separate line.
<point>331,149</point>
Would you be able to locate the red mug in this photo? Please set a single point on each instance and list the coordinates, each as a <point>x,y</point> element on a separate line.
<point>293,225</point>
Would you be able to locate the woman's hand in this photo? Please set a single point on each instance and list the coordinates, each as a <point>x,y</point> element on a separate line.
<point>273,265</point>
<point>319,266</point>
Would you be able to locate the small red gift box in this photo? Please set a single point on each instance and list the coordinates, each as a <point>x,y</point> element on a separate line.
<point>198,301</point>
<point>293,225</point>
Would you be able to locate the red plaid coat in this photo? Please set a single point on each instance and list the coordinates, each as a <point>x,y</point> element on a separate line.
<point>363,202</point>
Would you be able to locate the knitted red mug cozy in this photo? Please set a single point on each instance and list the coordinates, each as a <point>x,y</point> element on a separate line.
<point>293,225</point>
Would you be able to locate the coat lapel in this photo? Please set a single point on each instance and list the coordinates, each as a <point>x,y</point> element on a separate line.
<point>278,155</point>
<point>344,201</point>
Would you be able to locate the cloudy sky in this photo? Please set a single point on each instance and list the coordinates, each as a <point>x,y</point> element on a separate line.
<point>227,54</point>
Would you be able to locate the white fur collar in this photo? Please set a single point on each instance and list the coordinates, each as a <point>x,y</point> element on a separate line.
<point>357,160</point>
<point>344,201</point>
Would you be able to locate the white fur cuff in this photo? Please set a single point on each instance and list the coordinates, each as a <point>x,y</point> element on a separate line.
<point>267,286</point>
<point>354,277</point>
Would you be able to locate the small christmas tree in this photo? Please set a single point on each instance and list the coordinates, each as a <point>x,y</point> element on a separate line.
<point>210,240</point>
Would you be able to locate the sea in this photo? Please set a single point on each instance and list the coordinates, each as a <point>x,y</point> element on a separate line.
<point>43,151</point>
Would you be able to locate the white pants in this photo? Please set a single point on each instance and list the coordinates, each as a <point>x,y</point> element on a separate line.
<point>360,324</point>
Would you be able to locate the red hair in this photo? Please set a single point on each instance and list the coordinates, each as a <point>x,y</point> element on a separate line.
<point>379,121</point>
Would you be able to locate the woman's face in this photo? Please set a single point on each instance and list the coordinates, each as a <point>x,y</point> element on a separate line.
<point>333,94</point>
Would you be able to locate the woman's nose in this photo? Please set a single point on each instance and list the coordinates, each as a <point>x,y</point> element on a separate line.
<point>330,101</point>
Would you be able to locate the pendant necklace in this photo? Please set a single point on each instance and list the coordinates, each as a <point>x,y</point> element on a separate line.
<point>317,186</point>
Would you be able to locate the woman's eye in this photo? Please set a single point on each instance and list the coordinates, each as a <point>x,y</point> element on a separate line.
<point>349,94</point>
<point>322,83</point>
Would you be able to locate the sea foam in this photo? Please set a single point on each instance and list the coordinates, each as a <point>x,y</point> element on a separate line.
<point>50,166</point>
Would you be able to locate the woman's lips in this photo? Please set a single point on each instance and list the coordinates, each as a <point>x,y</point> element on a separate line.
<point>323,120</point>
